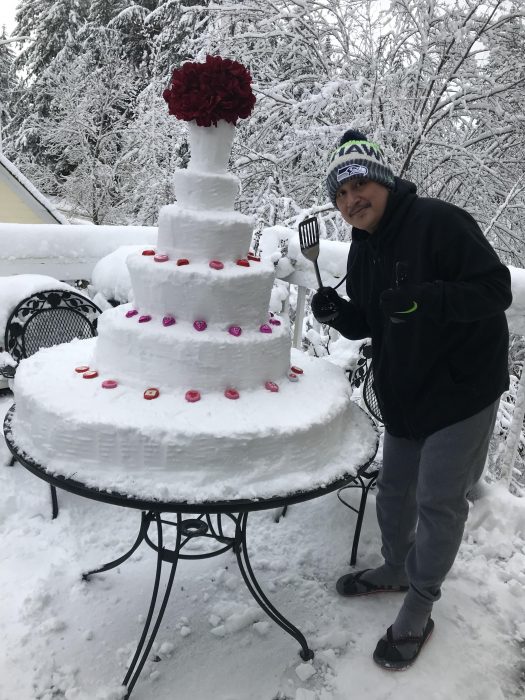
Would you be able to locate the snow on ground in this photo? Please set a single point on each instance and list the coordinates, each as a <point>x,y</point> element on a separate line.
<point>65,638</point>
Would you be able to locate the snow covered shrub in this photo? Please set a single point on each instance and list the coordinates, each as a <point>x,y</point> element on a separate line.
<point>498,457</point>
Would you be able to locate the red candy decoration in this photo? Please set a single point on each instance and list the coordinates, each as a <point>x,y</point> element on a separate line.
<point>231,394</point>
<point>192,396</point>
<point>200,325</point>
<point>145,319</point>
<point>91,374</point>
<point>81,369</point>
<point>271,386</point>
<point>274,322</point>
<point>293,377</point>
<point>243,262</point>
<point>296,370</point>
<point>183,261</point>
<point>148,252</point>
<point>253,257</point>
<point>168,321</point>
<point>216,264</point>
<point>109,384</point>
<point>235,330</point>
<point>161,258</point>
<point>265,328</point>
<point>151,393</point>
<point>131,313</point>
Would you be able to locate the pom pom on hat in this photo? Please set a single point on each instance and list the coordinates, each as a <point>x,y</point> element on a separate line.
<point>357,157</point>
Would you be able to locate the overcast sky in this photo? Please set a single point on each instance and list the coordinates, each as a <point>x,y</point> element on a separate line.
<point>7,14</point>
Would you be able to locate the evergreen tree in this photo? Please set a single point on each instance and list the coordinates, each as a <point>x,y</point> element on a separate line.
<point>7,83</point>
<point>51,24</point>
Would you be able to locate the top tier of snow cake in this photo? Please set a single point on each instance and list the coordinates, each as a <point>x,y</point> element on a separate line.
<point>206,184</point>
<point>202,225</point>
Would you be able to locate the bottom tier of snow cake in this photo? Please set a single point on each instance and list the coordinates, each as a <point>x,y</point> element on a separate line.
<point>264,442</point>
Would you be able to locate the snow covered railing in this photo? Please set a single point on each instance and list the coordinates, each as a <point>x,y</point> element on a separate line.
<point>64,251</point>
<point>69,252</point>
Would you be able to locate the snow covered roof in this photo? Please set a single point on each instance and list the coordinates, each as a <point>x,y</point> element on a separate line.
<point>21,201</point>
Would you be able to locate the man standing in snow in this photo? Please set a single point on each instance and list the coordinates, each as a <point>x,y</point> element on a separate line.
<point>429,290</point>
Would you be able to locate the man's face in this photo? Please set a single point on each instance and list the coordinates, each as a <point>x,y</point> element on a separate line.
<point>362,203</point>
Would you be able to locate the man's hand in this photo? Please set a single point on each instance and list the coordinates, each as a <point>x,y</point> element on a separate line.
<point>401,303</point>
<point>326,305</point>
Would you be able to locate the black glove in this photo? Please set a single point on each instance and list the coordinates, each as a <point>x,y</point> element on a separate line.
<point>326,305</point>
<point>401,303</point>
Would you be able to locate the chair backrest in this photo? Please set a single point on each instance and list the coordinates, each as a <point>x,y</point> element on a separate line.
<point>49,318</point>
<point>363,374</point>
<point>369,395</point>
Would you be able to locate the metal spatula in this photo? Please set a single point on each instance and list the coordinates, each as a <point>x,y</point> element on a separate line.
<point>309,242</point>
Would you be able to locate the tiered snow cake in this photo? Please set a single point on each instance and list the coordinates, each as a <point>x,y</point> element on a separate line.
<point>194,378</point>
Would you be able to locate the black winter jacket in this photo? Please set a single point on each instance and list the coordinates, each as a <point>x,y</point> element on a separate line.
<point>449,361</point>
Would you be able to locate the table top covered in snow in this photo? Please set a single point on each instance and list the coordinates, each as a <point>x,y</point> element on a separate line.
<point>158,504</point>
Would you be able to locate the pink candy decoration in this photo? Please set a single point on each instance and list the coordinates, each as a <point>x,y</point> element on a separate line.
<point>161,258</point>
<point>192,396</point>
<point>271,386</point>
<point>183,261</point>
<point>216,265</point>
<point>144,319</point>
<point>148,252</point>
<point>275,322</point>
<point>231,394</point>
<point>200,325</point>
<point>109,384</point>
<point>81,369</point>
<point>265,328</point>
<point>151,393</point>
<point>131,313</point>
<point>91,374</point>
<point>168,321</point>
<point>293,377</point>
<point>235,330</point>
<point>242,262</point>
<point>296,370</point>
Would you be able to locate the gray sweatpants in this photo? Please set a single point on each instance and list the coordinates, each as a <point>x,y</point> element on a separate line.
<point>421,499</point>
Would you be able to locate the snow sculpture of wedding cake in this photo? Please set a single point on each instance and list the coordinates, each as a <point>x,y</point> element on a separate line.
<point>194,379</point>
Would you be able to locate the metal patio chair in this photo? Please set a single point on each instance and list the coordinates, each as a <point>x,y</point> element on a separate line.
<point>45,319</point>
<point>367,478</point>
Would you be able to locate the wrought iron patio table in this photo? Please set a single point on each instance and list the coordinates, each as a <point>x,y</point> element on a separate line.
<point>209,520</point>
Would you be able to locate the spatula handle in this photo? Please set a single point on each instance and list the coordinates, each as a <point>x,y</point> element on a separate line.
<point>318,274</point>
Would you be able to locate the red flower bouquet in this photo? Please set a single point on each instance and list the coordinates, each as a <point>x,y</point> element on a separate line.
<point>208,92</point>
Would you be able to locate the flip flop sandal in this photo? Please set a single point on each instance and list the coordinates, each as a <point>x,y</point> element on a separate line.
<point>399,654</point>
<point>351,585</point>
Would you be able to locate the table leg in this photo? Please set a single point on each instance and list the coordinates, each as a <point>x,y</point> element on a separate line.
<point>253,586</point>
<point>54,503</point>
<point>143,647</point>
<point>144,524</point>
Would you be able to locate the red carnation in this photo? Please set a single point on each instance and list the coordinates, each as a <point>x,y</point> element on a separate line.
<point>207,92</point>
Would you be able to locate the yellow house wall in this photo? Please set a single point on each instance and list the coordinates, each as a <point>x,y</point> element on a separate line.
<point>16,209</point>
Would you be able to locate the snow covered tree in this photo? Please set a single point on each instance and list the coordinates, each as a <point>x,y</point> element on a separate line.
<point>101,12</point>
<point>438,82</point>
<point>8,82</point>
<point>50,24</point>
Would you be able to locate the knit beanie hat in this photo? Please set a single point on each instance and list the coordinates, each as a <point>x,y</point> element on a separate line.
<point>355,157</point>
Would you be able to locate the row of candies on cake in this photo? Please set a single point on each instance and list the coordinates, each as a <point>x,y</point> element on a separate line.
<point>214,264</point>
<point>201,324</point>
<point>192,395</point>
